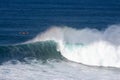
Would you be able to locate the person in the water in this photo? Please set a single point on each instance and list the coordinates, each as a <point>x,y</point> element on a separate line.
<point>24,33</point>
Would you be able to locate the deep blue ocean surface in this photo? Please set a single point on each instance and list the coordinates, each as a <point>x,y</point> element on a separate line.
<point>59,39</point>
<point>35,16</point>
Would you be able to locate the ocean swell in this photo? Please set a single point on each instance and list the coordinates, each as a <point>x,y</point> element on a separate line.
<point>44,50</point>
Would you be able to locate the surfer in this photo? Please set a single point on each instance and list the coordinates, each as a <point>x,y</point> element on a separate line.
<point>24,33</point>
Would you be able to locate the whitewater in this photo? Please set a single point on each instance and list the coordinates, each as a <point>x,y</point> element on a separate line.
<point>64,53</point>
<point>53,70</point>
<point>87,46</point>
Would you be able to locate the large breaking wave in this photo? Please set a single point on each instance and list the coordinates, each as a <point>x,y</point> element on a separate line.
<point>86,46</point>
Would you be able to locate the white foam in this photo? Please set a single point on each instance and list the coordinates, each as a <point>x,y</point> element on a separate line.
<point>55,71</point>
<point>99,48</point>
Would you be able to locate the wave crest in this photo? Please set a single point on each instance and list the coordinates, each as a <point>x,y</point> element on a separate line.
<point>87,46</point>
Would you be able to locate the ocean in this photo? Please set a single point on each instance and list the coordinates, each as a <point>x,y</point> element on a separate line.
<point>59,39</point>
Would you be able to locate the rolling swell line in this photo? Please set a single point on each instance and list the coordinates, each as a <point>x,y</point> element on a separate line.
<point>39,50</point>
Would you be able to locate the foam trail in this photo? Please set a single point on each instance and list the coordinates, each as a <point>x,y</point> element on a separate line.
<point>87,46</point>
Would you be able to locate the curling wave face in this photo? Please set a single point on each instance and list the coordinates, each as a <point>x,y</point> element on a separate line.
<point>86,46</point>
<point>43,50</point>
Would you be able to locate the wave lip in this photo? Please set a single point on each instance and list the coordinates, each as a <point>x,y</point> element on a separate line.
<point>43,50</point>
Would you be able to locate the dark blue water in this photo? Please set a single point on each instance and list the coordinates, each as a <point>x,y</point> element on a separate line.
<point>35,16</point>
<point>22,20</point>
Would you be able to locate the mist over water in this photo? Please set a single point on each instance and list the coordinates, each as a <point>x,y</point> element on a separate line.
<point>85,35</point>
